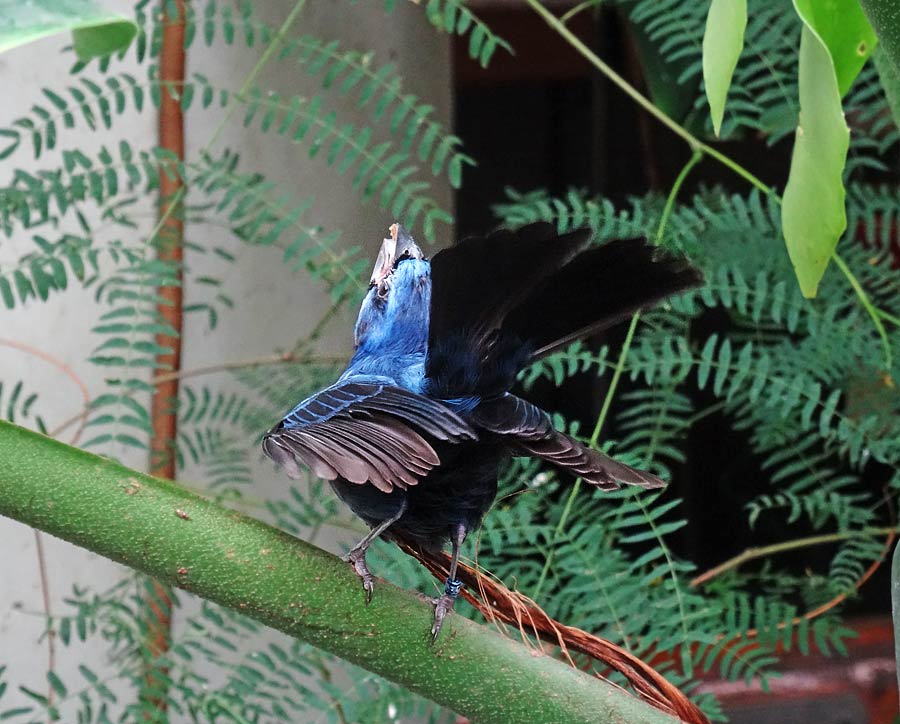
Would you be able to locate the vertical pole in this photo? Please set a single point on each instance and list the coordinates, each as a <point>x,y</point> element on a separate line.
<point>170,249</point>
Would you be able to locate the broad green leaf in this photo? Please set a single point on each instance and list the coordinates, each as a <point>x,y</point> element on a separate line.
<point>103,38</point>
<point>723,41</point>
<point>813,216</point>
<point>842,26</point>
<point>95,31</point>
<point>885,18</point>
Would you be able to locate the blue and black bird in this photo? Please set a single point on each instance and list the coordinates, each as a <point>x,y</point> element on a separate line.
<point>413,433</point>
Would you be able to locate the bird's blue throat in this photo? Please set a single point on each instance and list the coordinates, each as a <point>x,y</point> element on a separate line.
<point>397,325</point>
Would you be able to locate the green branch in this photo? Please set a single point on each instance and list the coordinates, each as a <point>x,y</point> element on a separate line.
<point>160,529</point>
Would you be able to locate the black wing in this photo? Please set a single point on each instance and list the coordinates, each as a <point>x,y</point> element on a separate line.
<point>365,432</point>
<point>531,432</point>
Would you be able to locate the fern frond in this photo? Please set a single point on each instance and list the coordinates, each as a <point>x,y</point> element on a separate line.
<point>345,72</point>
<point>652,423</point>
<point>129,347</point>
<point>574,211</point>
<point>380,169</point>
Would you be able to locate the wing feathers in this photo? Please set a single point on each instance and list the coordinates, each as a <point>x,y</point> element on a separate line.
<point>532,433</point>
<point>365,432</point>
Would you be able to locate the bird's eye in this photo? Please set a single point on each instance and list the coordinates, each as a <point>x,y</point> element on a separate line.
<point>403,256</point>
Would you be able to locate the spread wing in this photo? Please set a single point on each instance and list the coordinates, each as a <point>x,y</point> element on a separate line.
<point>531,432</point>
<point>365,432</point>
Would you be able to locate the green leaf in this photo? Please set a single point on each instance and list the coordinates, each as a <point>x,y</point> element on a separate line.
<point>18,711</point>
<point>96,32</point>
<point>813,216</point>
<point>842,26</point>
<point>723,41</point>
<point>57,685</point>
<point>102,39</point>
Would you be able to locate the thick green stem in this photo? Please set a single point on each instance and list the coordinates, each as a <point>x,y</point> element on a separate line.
<point>157,527</point>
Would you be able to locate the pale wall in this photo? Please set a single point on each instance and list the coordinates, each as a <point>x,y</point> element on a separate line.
<point>274,307</point>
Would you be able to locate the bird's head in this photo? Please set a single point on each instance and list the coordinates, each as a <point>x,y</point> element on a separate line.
<point>399,295</point>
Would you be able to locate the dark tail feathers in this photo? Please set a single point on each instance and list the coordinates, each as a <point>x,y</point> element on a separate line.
<point>512,297</point>
<point>597,289</point>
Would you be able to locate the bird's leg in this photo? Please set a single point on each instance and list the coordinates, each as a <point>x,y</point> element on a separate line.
<point>451,588</point>
<point>357,554</point>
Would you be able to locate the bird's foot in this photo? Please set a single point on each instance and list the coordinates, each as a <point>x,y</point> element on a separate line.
<point>357,559</point>
<point>443,604</point>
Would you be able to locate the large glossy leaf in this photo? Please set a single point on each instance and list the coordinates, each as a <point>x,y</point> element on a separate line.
<point>95,31</point>
<point>835,42</point>
<point>723,41</point>
<point>843,27</point>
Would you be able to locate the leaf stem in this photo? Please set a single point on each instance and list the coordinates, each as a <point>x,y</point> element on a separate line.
<point>673,194</point>
<point>887,317</point>
<point>695,143</point>
<point>699,146</point>
<point>617,374</point>
<point>256,70</point>
<point>245,86</point>
<point>751,554</point>
<point>595,436</point>
<point>875,313</point>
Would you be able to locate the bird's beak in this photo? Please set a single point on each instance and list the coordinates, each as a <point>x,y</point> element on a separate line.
<point>404,243</point>
<point>396,246</point>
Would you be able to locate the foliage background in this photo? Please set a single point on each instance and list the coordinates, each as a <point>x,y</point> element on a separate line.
<point>803,384</point>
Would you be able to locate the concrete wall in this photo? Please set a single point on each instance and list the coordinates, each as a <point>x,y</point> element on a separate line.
<point>274,306</point>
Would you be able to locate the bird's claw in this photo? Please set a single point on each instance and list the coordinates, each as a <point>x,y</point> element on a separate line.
<point>442,605</point>
<point>357,559</point>
<point>369,586</point>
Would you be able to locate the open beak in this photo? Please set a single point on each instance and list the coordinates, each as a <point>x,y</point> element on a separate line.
<point>399,245</point>
<point>405,244</point>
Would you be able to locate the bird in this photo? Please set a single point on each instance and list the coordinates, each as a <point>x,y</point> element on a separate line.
<point>413,433</point>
